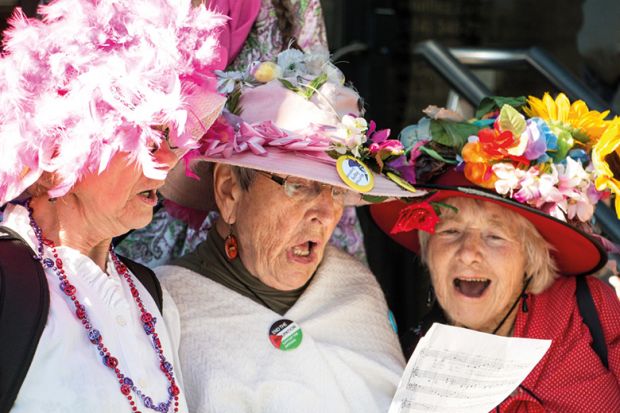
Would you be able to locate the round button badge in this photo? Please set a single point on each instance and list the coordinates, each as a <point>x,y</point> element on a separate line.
<point>285,335</point>
<point>355,173</point>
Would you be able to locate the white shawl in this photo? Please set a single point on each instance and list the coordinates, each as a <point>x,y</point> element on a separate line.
<point>349,359</point>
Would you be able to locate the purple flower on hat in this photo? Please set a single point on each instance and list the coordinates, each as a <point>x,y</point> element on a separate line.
<point>536,142</point>
<point>405,164</point>
<point>376,136</point>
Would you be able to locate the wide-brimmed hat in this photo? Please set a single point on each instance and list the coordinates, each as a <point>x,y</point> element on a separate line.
<point>533,157</point>
<point>92,78</point>
<point>294,117</point>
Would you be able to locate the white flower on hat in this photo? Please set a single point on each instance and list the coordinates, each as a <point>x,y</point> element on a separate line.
<point>226,80</point>
<point>350,134</point>
<point>316,60</point>
<point>334,74</point>
<point>291,62</point>
<point>508,177</point>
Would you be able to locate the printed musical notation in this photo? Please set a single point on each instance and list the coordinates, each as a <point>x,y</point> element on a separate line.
<point>458,370</point>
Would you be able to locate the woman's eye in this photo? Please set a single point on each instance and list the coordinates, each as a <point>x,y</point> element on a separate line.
<point>496,237</point>
<point>153,147</point>
<point>448,231</point>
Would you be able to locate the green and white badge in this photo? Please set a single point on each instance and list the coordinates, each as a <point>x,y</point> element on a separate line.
<point>285,335</point>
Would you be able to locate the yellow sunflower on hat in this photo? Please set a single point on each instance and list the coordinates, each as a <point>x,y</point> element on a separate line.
<point>606,160</point>
<point>575,120</point>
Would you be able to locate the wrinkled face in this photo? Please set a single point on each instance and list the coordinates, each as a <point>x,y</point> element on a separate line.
<point>121,198</point>
<point>281,240</point>
<point>477,264</point>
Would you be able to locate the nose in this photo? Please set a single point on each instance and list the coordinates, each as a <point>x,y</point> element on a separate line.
<point>324,208</point>
<point>470,247</point>
<point>165,156</point>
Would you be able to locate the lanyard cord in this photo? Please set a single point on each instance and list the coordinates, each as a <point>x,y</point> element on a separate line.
<point>514,305</point>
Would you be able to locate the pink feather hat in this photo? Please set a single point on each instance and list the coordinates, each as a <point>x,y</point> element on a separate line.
<point>293,117</point>
<point>92,78</point>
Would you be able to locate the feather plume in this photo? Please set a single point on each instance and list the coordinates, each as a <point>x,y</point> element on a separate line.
<point>91,78</point>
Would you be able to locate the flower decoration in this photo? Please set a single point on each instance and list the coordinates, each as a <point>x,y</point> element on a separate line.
<point>304,74</point>
<point>422,216</point>
<point>417,216</point>
<point>607,162</point>
<point>301,72</point>
<point>568,120</point>
<point>546,153</point>
<point>357,138</point>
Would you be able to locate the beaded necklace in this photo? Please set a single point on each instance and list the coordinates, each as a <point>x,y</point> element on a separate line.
<point>127,385</point>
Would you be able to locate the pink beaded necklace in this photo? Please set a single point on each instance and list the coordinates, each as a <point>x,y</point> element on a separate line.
<point>126,384</point>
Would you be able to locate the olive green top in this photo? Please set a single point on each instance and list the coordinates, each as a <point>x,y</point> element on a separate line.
<point>209,259</point>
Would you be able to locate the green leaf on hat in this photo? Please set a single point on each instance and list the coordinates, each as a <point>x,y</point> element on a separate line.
<point>314,86</point>
<point>565,143</point>
<point>491,103</point>
<point>289,85</point>
<point>373,198</point>
<point>438,205</point>
<point>435,155</point>
<point>511,120</point>
<point>333,154</point>
<point>232,102</point>
<point>452,134</point>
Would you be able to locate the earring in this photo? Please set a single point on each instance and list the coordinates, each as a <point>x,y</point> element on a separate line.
<point>230,246</point>
<point>430,297</point>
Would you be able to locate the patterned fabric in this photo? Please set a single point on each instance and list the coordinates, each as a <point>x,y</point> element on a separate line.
<point>166,237</point>
<point>265,40</point>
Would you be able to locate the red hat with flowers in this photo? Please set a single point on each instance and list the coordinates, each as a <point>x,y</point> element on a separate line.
<point>545,159</point>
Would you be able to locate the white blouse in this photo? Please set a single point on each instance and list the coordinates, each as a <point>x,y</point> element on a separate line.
<point>67,373</point>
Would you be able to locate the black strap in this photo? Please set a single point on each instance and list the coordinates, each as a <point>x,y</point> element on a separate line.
<point>24,305</point>
<point>148,279</point>
<point>590,318</point>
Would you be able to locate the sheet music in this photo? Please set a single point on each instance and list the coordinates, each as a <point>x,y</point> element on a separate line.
<point>459,370</point>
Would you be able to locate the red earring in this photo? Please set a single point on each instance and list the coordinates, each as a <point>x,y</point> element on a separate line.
<point>230,246</point>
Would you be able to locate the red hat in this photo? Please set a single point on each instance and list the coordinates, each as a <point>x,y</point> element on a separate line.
<point>574,251</point>
<point>535,157</point>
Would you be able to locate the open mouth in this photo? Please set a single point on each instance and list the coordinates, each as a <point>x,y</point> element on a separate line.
<point>471,287</point>
<point>304,249</point>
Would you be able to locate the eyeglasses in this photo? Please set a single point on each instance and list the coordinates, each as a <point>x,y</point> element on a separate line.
<point>305,190</point>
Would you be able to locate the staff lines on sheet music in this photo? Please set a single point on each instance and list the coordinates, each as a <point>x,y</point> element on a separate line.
<point>484,382</point>
<point>469,359</point>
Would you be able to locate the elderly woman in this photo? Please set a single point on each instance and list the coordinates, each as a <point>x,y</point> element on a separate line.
<point>90,113</point>
<point>511,259</point>
<point>275,25</point>
<point>272,318</point>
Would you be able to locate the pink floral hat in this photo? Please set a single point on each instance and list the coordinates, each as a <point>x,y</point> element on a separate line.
<point>92,78</point>
<point>295,117</point>
<point>545,159</point>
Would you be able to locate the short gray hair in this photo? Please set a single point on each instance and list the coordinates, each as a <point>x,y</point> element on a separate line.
<point>245,176</point>
<point>540,265</point>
